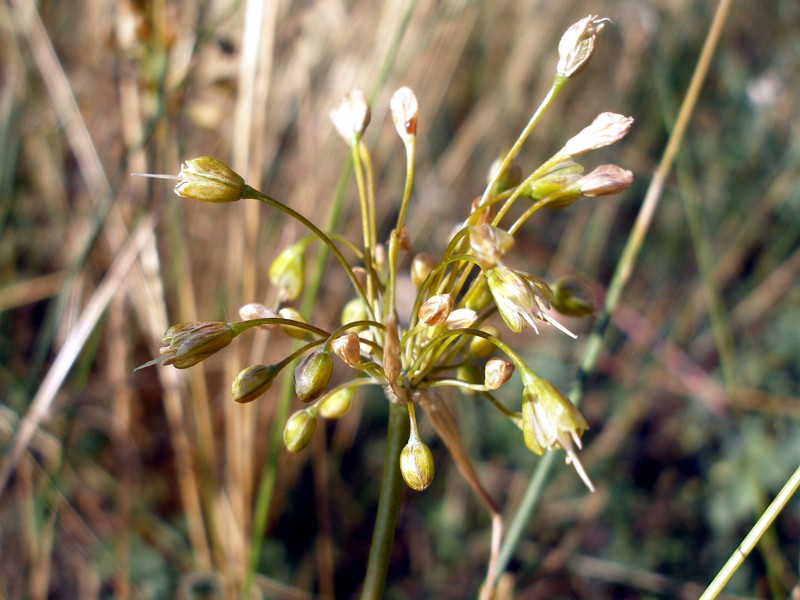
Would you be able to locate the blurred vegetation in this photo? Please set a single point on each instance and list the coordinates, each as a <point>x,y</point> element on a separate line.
<point>141,485</point>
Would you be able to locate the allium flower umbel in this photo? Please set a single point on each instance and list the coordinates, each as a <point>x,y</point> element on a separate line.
<point>550,421</point>
<point>209,180</point>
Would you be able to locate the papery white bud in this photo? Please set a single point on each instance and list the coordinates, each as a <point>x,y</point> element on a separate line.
<point>404,109</point>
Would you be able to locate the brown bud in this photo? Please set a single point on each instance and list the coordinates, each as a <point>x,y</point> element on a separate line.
<point>436,309</point>
<point>421,267</point>
<point>576,47</point>
<point>348,348</point>
<point>497,372</point>
<point>604,180</point>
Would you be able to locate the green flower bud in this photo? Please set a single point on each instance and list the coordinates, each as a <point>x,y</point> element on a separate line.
<point>336,404</point>
<point>480,297</point>
<point>187,344</point>
<point>287,312</point>
<point>252,382</point>
<point>468,373</point>
<point>287,271</point>
<point>421,267</point>
<point>299,429</point>
<point>572,296</point>
<point>507,179</point>
<point>209,180</point>
<point>480,347</point>
<point>312,375</point>
<point>416,464</point>
<point>354,310</point>
<point>559,185</point>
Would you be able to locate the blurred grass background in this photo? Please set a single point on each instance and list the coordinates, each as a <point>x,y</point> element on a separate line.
<point>140,485</point>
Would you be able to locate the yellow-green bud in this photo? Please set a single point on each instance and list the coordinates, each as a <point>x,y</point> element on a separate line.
<point>336,404</point>
<point>354,310</point>
<point>572,296</point>
<point>480,297</point>
<point>435,310</point>
<point>210,180</point>
<point>312,375</point>
<point>187,344</point>
<point>496,372</point>
<point>480,347</point>
<point>299,430</point>
<point>489,244</point>
<point>421,267</point>
<point>559,185</point>
<point>468,373</point>
<point>287,271</point>
<point>252,382</point>
<point>348,348</point>
<point>292,314</point>
<point>416,464</point>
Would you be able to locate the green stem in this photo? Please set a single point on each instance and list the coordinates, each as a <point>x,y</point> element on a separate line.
<point>388,504</point>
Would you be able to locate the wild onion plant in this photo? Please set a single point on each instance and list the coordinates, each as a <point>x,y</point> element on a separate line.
<point>451,334</point>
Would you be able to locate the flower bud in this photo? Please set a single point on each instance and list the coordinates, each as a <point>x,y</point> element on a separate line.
<point>480,347</point>
<point>435,310</point>
<point>187,344</point>
<point>572,296</point>
<point>461,318</point>
<point>292,314</point>
<point>287,271</point>
<point>348,348</point>
<point>354,310</point>
<point>558,185</point>
<point>480,297</point>
<point>254,310</point>
<point>496,372</point>
<point>421,267</point>
<point>489,243</point>
<point>416,464</point>
<point>252,382</point>
<point>606,129</point>
<point>336,404</point>
<point>507,179</point>
<point>404,108</point>
<point>209,180</point>
<point>576,46</point>
<point>391,351</point>
<point>299,429</point>
<point>352,116</point>
<point>468,373</point>
<point>605,180</point>
<point>312,375</point>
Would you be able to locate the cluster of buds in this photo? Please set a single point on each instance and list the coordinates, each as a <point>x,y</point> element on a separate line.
<point>448,340</point>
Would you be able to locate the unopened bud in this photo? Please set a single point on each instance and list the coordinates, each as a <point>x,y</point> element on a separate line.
<point>252,382</point>
<point>292,314</point>
<point>461,318</point>
<point>435,310</point>
<point>480,347</point>
<point>403,241</point>
<point>480,297</point>
<point>497,372</point>
<point>254,310</point>
<point>576,46</point>
<point>209,180</point>
<point>416,464</point>
<point>404,109</point>
<point>299,430</point>
<point>489,243</point>
<point>507,179</point>
<point>287,271</point>
<point>421,267</point>
<point>312,375</point>
<point>606,129</point>
<point>348,348</point>
<point>336,404</point>
<point>354,310</point>
<point>391,351</point>
<point>572,296</point>
<point>605,180</point>
<point>187,344</point>
<point>352,116</point>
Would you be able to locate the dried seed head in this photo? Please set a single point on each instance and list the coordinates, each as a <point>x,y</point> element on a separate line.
<point>404,109</point>
<point>209,180</point>
<point>436,309</point>
<point>576,47</point>
<point>287,272</point>
<point>604,180</point>
<point>348,348</point>
<point>299,430</point>
<point>352,116</point>
<point>416,464</point>
<point>312,375</point>
<point>496,372</point>
<point>606,129</point>
<point>252,382</point>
